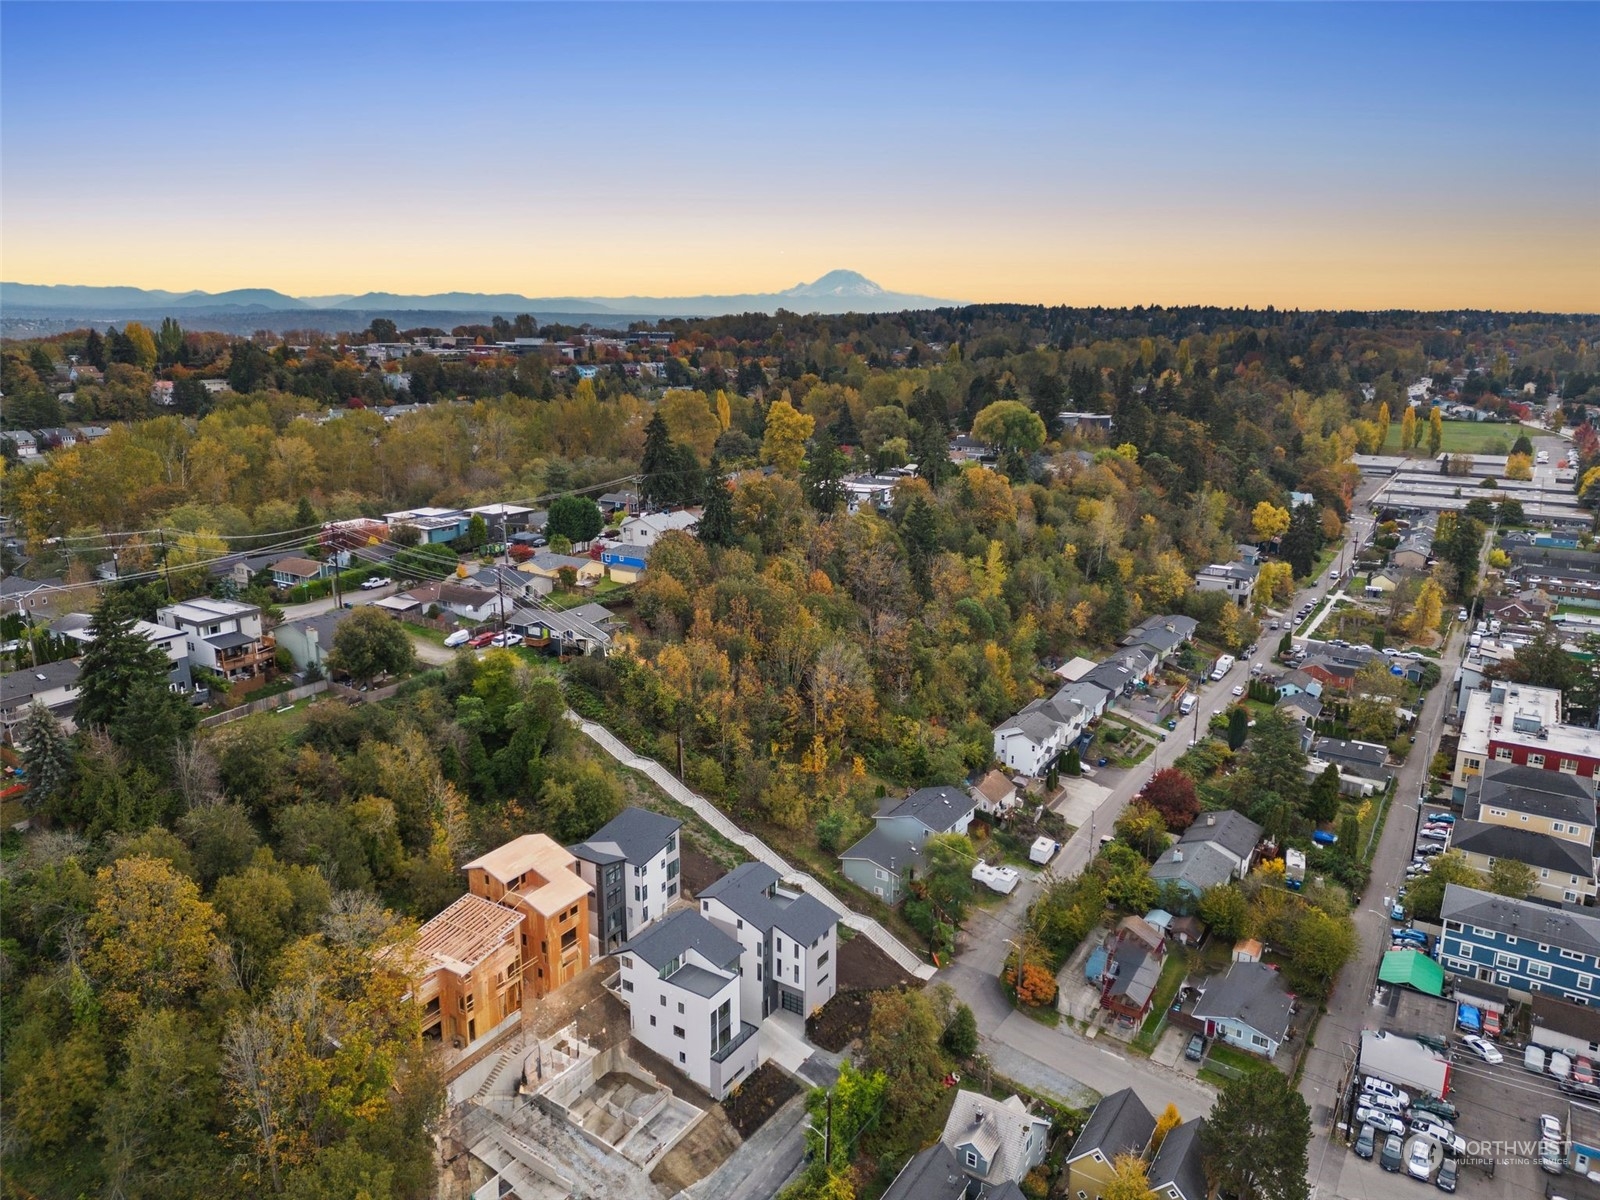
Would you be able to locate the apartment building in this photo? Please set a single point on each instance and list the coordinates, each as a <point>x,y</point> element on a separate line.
<point>1521,724</point>
<point>1524,946</point>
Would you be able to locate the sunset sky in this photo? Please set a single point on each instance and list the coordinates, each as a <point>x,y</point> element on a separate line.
<point>1367,156</point>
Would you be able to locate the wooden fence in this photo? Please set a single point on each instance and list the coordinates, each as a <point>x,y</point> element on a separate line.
<point>266,704</point>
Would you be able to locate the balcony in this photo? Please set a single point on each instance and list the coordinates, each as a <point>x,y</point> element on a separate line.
<point>240,656</point>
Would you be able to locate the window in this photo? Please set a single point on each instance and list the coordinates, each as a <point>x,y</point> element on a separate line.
<point>822,958</point>
<point>1535,760</point>
<point>879,873</point>
<point>1570,897</point>
<point>1510,941</point>
<point>1544,873</point>
<point>469,1001</point>
<point>627,985</point>
<point>1479,931</point>
<point>1258,1041</point>
<point>738,923</point>
<point>1502,755</point>
<point>1557,827</point>
<point>1573,955</point>
<point>1458,964</point>
<point>1508,961</point>
<point>1586,982</point>
<point>705,906</point>
<point>778,942</point>
<point>682,1057</point>
<point>677,1031</point>
<point>1502,978</point>
<point>680,1006</point>
<point>663,1000</point>
<point>1569,764</point>
<point>1538,970</point>
<point>652,1019</point>
<point>972,1159</point>
<point>1500,812</point>
<point>1543,949</point>
<point>1524,818</point>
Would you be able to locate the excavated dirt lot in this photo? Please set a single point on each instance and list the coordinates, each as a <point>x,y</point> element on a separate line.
<point>763,1094</point>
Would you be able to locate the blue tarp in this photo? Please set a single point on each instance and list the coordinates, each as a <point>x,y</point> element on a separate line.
<point>1096,965</point>
<point>1469,1018</point>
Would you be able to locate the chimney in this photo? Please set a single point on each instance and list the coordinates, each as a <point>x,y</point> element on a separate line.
<point>1177,854</point>
<point>978,1118</point>
<point>1211,818</point>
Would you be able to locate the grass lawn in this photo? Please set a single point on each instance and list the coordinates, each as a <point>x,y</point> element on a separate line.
<point>1172,973</point>
<point>426,632</point>
<point>1247,1064</point>
<point>1467,437</point>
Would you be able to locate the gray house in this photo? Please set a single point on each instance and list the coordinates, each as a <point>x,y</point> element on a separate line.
<point>1219,846</point>
<point>891,854</point>
<point>638,850</point>
<point>995,1143</point>
<point>309,639</point>
<point>1248,1007</point>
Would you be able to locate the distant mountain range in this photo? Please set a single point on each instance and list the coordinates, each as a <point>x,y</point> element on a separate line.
<point>835,292</point>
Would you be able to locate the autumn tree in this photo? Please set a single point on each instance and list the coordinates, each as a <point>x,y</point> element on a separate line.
<point>1435,432</point>
<point>903,1039</point>
<point>1009,425</point>
<point>1426,611</point>
<point>1507,877</point>
<point>784,443</point>
<point>1519,466</point>
<point>1172,794</point>
<point>1129,1179</point>
<point>1225,910</point>
<point>1169,1120</point>
<point>1408,430</point>
<point>1268,521</point>
<point>151,937</point>
<point>1143,828</point>
<point>857,1101</point>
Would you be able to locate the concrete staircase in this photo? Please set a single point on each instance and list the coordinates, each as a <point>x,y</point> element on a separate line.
<point>868,927</point>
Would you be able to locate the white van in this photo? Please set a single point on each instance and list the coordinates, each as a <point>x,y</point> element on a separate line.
<point>1186,705</point>
<point>458,638</point>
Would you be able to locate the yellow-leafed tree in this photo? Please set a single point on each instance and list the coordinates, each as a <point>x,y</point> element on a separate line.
<point>1269,521</point>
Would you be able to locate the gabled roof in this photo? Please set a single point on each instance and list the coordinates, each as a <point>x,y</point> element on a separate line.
<point>747,890</point>
<point>301,568</point>
<point>634,835</point>
<point>1304,702</point>
<point>1201,866</point>
<point>939,808</point>
<point>1234,832</point>
<point>1179,1164</point>
<point>932,1174</point>
<point>1523,846</point>
<point>466,933</point>
<point>1366,754</point>
<point>1250,994</point>
<point>884,849</point>
<point>996,788</point>
<point>999,1131</point>
<point>1138,972</point>
<point>1532,790</point>
<point>1038,727</point>
<point>18,688</point>
<point>684,930</point>
<point>1119,1124</point>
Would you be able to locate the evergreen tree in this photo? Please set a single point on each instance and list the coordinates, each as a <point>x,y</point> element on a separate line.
<point>1322,801</point>
<point>1303,542</point>
<point>94,349</point>
<point>122,687</point>
<point>46,756</point>
<point>658,464</point>
<point>1255,1138</point>
<point>1238,726</point>
<point>305,516</point>
<point>716,521</point>
<point>920,532</point>
<point>823,476</point>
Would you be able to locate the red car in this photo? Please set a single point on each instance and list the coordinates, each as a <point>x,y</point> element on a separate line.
<point>482,640</point>
<point>1582,1071</point>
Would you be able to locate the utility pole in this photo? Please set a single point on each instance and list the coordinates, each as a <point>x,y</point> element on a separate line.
<point>166,571</point>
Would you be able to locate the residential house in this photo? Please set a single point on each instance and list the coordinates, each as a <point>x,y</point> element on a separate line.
<point>1249,1007</point>
<point>474,605</point>
<point>1117,676</point>
<point>612,503</point>
<point>54,685</point>
<point>19,595</point>
<point>432,524</point>
<point>1296,682</point>
<point>1218,847</point>
<point>995,795</point>
<point>1030,741</point>
<point>995,1142</point>
<point>1302,706</point>
<point>516,586</point>
<point>23,443</point>
<point>624,564</point>
<point>1236,580</point>
<point>310,639</point>
<point>224,636</point>
<point>538,878</point>
<point>1177,1171</point>
<point>1163,633</point>
<point>645,530</point>
<point>680,980</point>
<point>56,437</point>
<point>1249,554</point>
<point>1133,968</point>
<point>291,572</point>
<point>1414,550</point>
<point>472,962</point>
<point>1089,696</point>
<point>632,866</point>
<point>872,492</point>
<point>171,642</point>
<point>1524,946</point>
<point>931,1174</point>
<point>504,519</point>
<point>789,940</point>
<point>1331,673</point>
<point>1080,421</point>
<point>416,602</point>
<point>585,629</point>
<point>1120,1124</point>
<point>1559,1024</point>
<point>550,565</point>
<point>243,568</point>
<point>891,854</point>
<point>162,392</point>
<point>1360,760</point>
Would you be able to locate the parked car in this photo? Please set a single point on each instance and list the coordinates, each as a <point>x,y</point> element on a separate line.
<point>1446,1180</point>
<point>1432,1104</point>
<point>1366,1142</point>
<point>1442,819</point>
<point>1582,1072</point>
<point>1386,1122</point>
<point>1483,1048</point>
<point>1238,689</point>
<point>1550,1127</point>
<point>1462,615</point>
<point>1393,1153</point>
<point>1429,851</point>
<point>1396,913</point>
<point>1196,1048</point>
<point>1412,937</point>
<point>1560,1065</point>
<point>1434,835</point>
<point>375,582</point>
<point>1419,1165</point>
<point>459,638</point>
<point>479,641</point>
<point>506,639</point>
<point>1382,1087</point>
<point>1533,1059</point>
<point>1386,1104</point>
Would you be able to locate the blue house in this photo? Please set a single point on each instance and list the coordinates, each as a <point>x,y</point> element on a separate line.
<point>1524,946</point>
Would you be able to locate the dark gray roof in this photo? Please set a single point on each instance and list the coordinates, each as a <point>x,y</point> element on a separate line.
<point>886,850</point>
<point>1137,973</point>
<point>635,835</point>
<point>1119,1124</point>
<point>1559,927</point>
<point>1179,1163</point>
<point>1297,677</point>
<point>1202,866</point>
<point>1523,846</point>
<point>1304,701</point>
<point>939,808</point>
<point>229,641</point>
<point>13,585</point>
<point>747,890</point>
<point>933,1174</point>
<point>324,623</point>
<point>1553,794</point>
<point>698,980</point>
<point>1363,754</point>
<point>18,688</point>
<point>1251,994</point>
<point>684,930</point>
<point>1006,1191</point>
<point>1234,832</point>
<point>1563,1016</point>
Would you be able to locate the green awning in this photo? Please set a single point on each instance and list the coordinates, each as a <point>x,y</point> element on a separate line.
<point>1414,969</point>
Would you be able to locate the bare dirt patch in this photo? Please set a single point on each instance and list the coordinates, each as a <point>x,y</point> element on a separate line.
<point>699,869</point>
<point>863,966</point>
<point>841,1020</point>
<point>758,1097</point>
<point>702,1150</point>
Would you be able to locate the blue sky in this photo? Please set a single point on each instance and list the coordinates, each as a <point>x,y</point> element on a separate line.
<point>1293,154</point>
